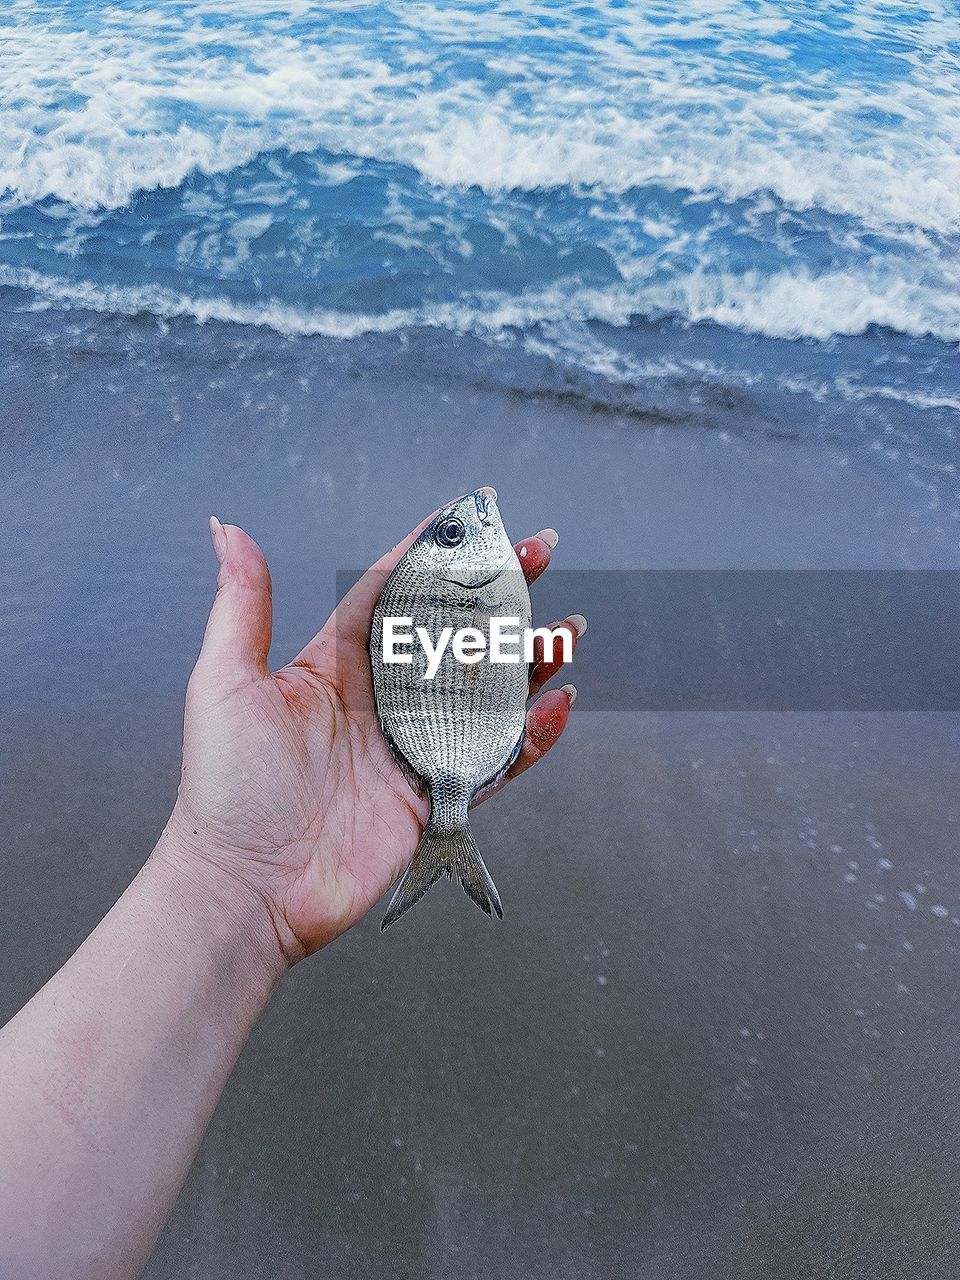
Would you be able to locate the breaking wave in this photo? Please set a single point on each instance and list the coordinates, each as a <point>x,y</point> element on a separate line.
<point>788,169</point>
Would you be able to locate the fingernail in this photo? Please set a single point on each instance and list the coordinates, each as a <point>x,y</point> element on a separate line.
<point>571,691</point>
<point>549,536</point>
<point>578,622</point>
<point>489,490</point>
<point>218,536</point>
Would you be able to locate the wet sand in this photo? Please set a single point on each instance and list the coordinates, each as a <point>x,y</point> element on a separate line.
<point>717,1031</point>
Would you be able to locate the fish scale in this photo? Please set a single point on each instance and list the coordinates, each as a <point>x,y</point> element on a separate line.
<point>458,732</point>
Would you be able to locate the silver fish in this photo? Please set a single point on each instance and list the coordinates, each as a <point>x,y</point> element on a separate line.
<point>456,734</point>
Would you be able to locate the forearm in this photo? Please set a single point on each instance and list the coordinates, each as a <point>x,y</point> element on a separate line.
<point>111,1073</point>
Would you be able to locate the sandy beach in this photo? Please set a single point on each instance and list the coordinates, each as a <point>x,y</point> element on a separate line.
<point>719,1019</point>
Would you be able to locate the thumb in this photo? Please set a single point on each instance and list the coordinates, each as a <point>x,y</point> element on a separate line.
<point>237,638</point>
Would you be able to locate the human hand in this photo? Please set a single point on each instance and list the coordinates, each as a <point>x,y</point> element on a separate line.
<point>291,809</point>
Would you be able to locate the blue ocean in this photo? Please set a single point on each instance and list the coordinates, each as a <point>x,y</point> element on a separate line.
<point>726,213</point>
<point>791,169</point>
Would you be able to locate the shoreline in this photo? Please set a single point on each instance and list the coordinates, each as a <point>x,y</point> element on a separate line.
<point>699,863</point>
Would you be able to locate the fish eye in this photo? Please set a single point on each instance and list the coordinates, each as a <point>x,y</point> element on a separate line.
<point>450,532</point>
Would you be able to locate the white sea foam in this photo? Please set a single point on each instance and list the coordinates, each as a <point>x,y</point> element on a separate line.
<point>799,304</point>
<point>711,98</point>
<point>144,95</point>
<point>781,307</point>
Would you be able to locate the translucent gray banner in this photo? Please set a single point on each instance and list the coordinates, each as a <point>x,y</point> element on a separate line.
<point>758,640</point>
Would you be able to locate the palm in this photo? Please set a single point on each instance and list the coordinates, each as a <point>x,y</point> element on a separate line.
<point>287,779</point>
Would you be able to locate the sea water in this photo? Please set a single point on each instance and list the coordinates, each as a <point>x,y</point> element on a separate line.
<point>704,210</point>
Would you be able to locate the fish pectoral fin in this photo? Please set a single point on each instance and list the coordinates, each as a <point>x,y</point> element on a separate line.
<point>413,779</point>
<point>444,852</point>
<point>485,788</point>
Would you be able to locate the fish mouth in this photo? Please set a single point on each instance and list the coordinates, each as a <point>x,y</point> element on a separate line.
<point>486,500</point>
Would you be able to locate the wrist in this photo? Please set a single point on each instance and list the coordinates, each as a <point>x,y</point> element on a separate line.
<point>202,887</point>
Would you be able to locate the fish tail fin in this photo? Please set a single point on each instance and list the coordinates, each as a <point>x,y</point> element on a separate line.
<point>444,851</point>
